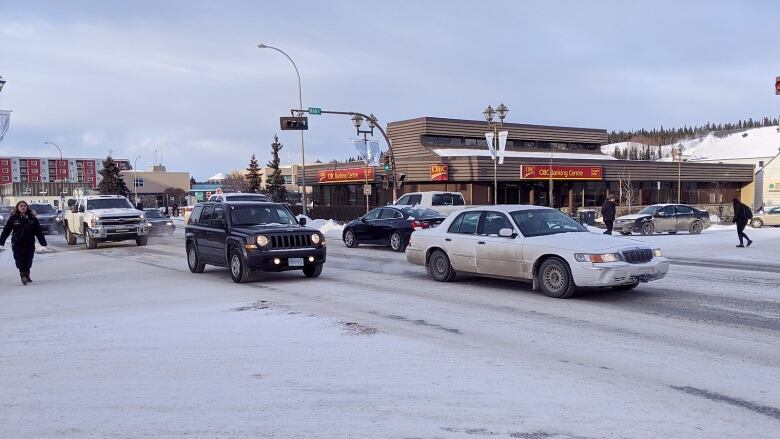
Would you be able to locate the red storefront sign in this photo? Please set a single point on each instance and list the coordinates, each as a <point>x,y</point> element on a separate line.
<point>440,173</point>
<point>542,172</point>
<point>353,175</point>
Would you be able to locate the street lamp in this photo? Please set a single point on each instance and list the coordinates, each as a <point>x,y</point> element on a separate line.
<point>57,170</point>
<point>300,105</point>
<point>677,156</point>
<point>2,83</point>
<point>135,180</point>
<point>489,114</point>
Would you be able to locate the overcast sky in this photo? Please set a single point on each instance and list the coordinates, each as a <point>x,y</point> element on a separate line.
<point>187,79</point>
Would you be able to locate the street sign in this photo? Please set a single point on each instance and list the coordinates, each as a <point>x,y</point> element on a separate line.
<point>367,189</point>
<point>315,111</point>
<point>294,123</point>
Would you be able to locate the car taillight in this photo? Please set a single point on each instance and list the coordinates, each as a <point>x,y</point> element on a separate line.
<point>419,225</point>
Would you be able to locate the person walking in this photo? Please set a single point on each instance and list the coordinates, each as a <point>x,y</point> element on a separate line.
<point>608,213</point>
<point>25,228</point>
<point>742,215</point>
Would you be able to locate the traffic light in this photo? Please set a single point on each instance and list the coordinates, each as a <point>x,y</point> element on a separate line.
<point>294,123</point>
<point>387,163</point>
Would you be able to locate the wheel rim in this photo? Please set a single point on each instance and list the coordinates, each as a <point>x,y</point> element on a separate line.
<point>349,238</point>
<point>191,257</point>
<point>647,229</point>
<point>554,278</point>
<point>395,241</point>
<point>235,266</point>
<point>696,227</point>
<point>439,265</point>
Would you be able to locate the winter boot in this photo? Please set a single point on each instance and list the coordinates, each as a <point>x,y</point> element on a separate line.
<point>24,278</point>
<point>749,242</point>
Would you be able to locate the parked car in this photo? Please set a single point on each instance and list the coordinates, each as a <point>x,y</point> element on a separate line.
<point>238,196</point>
<point>533,243</point>
<point>770,217</point>
<point>5,212</point>
<point>49,217</point>
<point>159,223</point>
<point>390,226</point>
<point>442,202</point>
<point>245,236</point>
<point>660,218</point>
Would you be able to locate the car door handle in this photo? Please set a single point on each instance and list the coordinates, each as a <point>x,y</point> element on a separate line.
<point>481,242</point>
<point>448,239</point>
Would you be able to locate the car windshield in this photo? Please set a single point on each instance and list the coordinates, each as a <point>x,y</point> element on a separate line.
<point>650,210</point>
<point>247,197</point>
<point>42,208</point>
<point>538,222</point>
<point>447,200</point>
<point>420,212</point>
<point>5,209</point>
<point>254,215</point>
<point>153,214</point>
<point>109,203</point>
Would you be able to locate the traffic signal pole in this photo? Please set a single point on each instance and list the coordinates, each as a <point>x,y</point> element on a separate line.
<point>379,127</point>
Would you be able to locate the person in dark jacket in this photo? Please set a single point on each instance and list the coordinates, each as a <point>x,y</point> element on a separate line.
<point>25,228</point>
<point>608,213</point>
<point>742,215</point>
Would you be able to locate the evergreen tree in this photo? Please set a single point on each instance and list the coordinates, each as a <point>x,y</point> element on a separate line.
<point>112,182</point>
<point>274,184</point>
<point>253,178</point>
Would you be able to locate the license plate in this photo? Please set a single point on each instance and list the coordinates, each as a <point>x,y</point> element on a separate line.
<point>295,262</point>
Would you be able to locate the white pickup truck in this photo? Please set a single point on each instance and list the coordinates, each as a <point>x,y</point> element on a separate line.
<point>443,202</point>
<point>99,218</point>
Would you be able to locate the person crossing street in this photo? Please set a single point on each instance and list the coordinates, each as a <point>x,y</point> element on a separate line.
<point>24,228</point>
<point>608,213</point>
<point>742,215</point>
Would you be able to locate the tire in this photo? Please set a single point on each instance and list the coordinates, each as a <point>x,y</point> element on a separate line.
<point>695,228</point>
<point>673,233</point>
<point>239,272</point>
<point>141,241</point>
<point>193,259</point>
<point>89,242</point>
<point>440,268</point>
<point>555,279</point>
<point>70,238</point>
<point>350,240</point>
<point>647,228</point>
<point>396,242</point>
<point>625,233</point>
<point>312,270</point>
<point>627,287</point>
<point>756,223</point>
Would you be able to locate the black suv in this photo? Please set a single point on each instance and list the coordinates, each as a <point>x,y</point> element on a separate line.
<point>250,235</point>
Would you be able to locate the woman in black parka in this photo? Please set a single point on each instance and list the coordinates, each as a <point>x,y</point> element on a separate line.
<point>25,228</point>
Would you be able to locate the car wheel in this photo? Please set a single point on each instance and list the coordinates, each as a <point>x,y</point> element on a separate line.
<point>625,233</point>
<point>555,279</point>
<point>397,242</point>
<point>70,238</point>
<point>239,272</point>
<point>648,228</point>
<point>440,268</point>
<point>142,240</point>
<point>349,239</point>
<point>312,270</point>
<point>626,287</point>
<point>193,260</point>
<point>756,223</point>
<point>672,233</point>
<point>89,241</point>
<point>695,228</point>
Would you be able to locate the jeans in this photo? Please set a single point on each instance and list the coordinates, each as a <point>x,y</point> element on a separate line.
<point>741,232</point>
<point>609,224</point>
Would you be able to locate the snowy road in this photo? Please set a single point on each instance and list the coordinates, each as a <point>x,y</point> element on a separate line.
<point>125,342</point>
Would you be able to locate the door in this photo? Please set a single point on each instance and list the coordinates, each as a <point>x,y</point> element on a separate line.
<point>496,255</point>
<point>772,218</point>
<point>364,229</point>
<point>461,239</point>
<point>203,234</point>
<point>684,217</point>
<point>217,235</point>
<point>387,223</point>
<point>664,220</point>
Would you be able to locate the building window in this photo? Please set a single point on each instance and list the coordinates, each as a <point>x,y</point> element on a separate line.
<point>138,182</point>
<point>35,178</point>
<point>4,162</point>
<point>6,178</point>
<point>760,163</point>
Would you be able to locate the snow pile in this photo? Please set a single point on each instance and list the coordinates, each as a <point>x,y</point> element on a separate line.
<point>329,228</point>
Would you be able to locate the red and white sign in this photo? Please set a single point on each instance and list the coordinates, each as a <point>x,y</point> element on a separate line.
<point>440,173</point>
<point>543,172</point>
<point>353,175</point>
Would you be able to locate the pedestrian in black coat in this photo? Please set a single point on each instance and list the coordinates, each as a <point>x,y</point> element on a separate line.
<point>608,213</point>
<point>24,228</point>
<point>742,215</point>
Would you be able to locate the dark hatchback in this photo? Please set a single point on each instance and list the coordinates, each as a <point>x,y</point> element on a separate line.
<point>247,236</point>
<point>390,226</point>
<point>160,224</point>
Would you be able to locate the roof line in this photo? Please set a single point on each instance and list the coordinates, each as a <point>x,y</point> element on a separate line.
<point>508,124</point>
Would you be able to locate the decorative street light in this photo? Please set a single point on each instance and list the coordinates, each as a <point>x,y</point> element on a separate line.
<point>677,156</point>
<point>489,114</point>
<point>300,105</point>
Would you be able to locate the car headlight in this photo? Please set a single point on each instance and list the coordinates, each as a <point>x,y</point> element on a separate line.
<point>94,221</point>
<point>315,238</point>
<point>169,223</point>
<point>262,240</point>
<point>143,218</point>
<point>598,258</point>
<point>657,253</point>
<point>1,217</point>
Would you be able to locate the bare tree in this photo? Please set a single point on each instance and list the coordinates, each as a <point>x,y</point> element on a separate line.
<point>628,195</point>
<point>236,181</point>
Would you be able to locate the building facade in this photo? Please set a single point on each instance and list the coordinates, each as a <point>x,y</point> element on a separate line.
<point>157,187</point>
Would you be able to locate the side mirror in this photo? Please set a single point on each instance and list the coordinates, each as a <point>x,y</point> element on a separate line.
<point>506,233</point>
<point>362,219</point>
<point>74,209</point>
<point>81,209</point>
<point>302,221</point>
<point>661,213</point>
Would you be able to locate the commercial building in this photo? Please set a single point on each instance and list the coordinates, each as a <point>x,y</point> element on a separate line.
<point>157,187</point>
<point>554,166</point>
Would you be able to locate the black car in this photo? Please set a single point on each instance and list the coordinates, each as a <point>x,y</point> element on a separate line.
<point>49,217</point>
<point>248,236</point>
<point>160,224</point>
<point>390,226</point>
<point>660,218</point>
<point>5,212</point>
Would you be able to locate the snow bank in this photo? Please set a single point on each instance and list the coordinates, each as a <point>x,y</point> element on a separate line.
<point>329,228</point>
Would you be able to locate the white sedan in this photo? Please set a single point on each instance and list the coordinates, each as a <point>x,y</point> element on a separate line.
<point>533,243</point>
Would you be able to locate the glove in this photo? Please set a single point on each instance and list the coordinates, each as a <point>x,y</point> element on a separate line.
<point>43,249</point>
<point>2,247</point>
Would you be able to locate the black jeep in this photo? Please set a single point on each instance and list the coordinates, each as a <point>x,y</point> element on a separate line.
<point>250,235</point>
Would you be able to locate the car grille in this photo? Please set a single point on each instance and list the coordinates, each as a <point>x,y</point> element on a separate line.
<point>637,256</point>
<point>297,240</point>
<point>120,221</point>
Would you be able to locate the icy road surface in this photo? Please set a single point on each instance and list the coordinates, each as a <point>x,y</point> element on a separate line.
<point>125,342</point>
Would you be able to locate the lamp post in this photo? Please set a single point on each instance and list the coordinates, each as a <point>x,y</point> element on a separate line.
<point>2,83</point>
<point>57,170</point>
<point>677,156</point>
<point>135,181</point>
<point>300,105</point>
<point>489,114</point>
